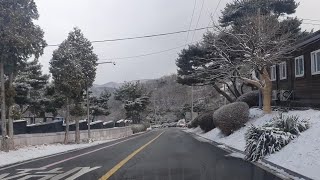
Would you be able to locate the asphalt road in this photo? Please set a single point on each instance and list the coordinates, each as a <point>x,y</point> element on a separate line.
<point>168,154</point>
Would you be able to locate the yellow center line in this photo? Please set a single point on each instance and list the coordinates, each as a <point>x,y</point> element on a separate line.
<point>124,161</point>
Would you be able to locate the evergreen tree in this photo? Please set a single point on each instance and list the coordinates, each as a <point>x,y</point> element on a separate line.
<point>99,105</point>
<point>236,14</point>
<point>73,67</point>
<point>135,100</point>
<point>20,40</point>
<point>30,86</point>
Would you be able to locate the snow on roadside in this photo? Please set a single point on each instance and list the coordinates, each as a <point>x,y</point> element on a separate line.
<point>236,139</point>
<point>196,130</point>
<point>31,152</point>
<point>302,155</point>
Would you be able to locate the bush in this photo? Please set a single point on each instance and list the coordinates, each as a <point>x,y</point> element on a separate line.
<point>205,121</point>
<point>291,124</point>
<point>194,123</point>
<point>273,136</point>
<point>264,141</point>
<point>138,128</point>
<point>251,98</point>
<point>231,117</point>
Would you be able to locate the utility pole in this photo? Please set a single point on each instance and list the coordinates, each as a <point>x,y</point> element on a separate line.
<point>259,34</point>
<point>154,107</point>
<point>191,102</point>
<point>88,113</point>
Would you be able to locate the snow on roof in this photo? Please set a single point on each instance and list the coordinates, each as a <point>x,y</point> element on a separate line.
<point>96,122</point>
<point>39,124</point>
<point>20,120</point>
<point>121,120</point>
<point>104,123</point>
<point>71,123</point>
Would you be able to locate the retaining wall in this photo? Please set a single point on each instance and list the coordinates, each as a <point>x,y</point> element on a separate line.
<point>58,137</point>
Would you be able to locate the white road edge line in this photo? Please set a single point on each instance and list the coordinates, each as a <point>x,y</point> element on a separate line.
<point>61,153</point>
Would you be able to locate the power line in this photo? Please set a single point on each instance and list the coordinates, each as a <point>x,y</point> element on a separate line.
<point>311,24</point>
<point>194,7</point>
<point>148,54</point>
<point>141,37</point>
<point>215,10</point>
<point>315,20</point>
<point>194,32</point>
<point>142,55</point>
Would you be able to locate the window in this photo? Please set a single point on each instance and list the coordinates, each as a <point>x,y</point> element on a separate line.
<point>299,66</point>
<point>315,62</point>
<point>283,70</point>
<point>273,72</point>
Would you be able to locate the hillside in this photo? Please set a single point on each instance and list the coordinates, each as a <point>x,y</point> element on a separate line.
<point>169,100</point>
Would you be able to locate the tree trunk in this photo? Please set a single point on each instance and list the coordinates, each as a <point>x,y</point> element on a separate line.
<point>222,93</point>
<point>4,143</point>
<point>66,136</point>
<point>236,91</point>
<point>77,134</point>
<point>266,92</point>
<point>10,120</point>
<point>265,85</point>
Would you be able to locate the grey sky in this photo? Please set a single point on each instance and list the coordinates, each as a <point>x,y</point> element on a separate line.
<point>108,19</point>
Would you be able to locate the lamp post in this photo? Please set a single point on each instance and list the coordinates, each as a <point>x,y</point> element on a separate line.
<point>88,101</point>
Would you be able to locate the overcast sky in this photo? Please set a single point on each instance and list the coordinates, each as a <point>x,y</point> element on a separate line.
<point>109,19</point>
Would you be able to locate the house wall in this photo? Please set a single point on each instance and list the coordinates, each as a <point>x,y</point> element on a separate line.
<point>306,89</point>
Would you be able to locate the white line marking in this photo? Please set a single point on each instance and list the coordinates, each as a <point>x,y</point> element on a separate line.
<point>49,156</point>
<point>89,152</point>
<point>60,176</point>
<point>83,171</point>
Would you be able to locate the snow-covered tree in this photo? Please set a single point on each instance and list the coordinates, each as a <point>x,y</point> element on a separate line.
<point>20,40</point>
<point>197,65</point>
<point>135,99</point>
<point>260,45</point>
<point>73,68</point>
<point>99,105</point>
<point>30,86</point>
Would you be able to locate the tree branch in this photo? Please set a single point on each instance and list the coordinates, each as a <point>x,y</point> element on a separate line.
<point>223,93</point>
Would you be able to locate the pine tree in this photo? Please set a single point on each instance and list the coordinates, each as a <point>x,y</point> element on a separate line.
<point>99,105</point>
<point>30,86</point>
<point>73,68</point>
<point>20,40</point>
<point>135,99</point>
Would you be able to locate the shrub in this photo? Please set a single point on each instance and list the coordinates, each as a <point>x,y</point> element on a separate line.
<point>231,117</point>
<point>272,136</point>
<point>291,124</point>
<point>195,122</point>
<point>138,128</point>
<point>205,121</point>
<point>251,98</point>
<point>264,141</point>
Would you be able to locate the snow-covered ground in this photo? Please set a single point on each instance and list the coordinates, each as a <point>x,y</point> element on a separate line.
<point>31,152</point>
<point>301,155</point>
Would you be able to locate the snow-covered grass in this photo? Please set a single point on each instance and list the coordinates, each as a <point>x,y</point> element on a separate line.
<point>301,155</point>
<point>31,152</point>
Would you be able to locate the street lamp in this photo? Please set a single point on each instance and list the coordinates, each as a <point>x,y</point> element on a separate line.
<point>88,102</point>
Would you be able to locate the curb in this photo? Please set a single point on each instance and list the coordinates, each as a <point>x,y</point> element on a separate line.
<point>275,169</point>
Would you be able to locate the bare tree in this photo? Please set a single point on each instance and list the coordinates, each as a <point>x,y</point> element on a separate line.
<point>249,54</point>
